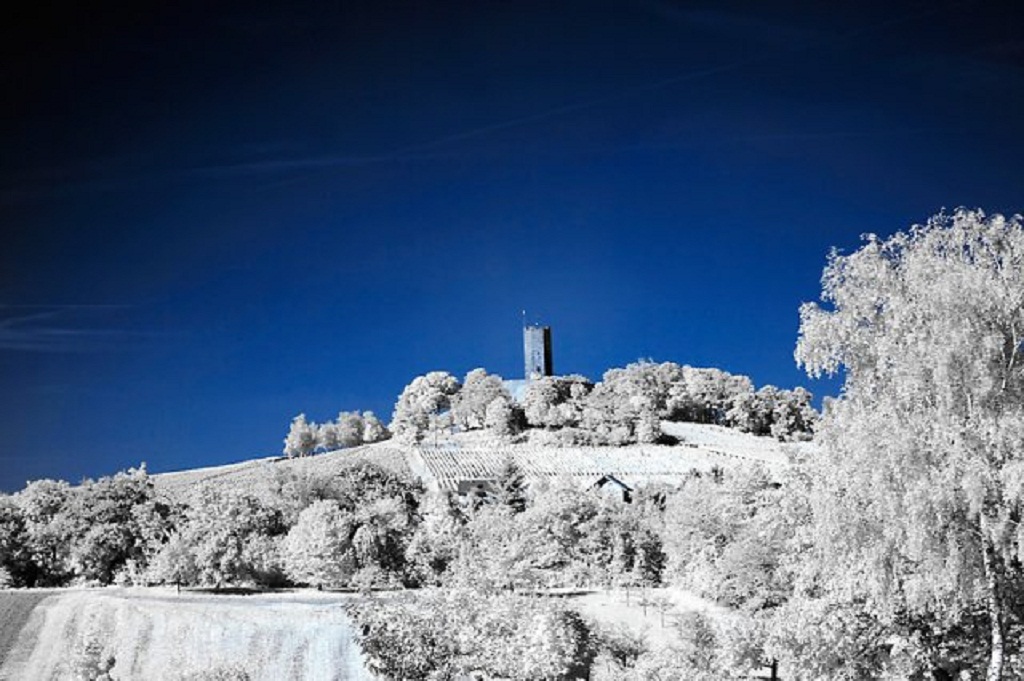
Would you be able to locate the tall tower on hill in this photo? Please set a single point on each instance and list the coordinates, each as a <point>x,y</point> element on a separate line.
<point>537,351</point>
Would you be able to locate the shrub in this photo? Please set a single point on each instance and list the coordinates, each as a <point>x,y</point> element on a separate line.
<point>443,634</point>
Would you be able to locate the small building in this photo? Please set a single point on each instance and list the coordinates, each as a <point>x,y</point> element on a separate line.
<point>609,484</point>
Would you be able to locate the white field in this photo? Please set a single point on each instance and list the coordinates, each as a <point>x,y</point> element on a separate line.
<point>702,447</point>
<point>614,607</point>
<point>735,444</point>
<point>158,635</point>
<point>254,475</point>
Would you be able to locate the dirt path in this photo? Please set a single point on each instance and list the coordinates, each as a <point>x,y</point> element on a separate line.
<point>15,607</point>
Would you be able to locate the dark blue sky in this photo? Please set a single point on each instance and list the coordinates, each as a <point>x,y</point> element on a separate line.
<point>217,216</point>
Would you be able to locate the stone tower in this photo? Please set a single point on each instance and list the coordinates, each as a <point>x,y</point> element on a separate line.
<point>537,352</point>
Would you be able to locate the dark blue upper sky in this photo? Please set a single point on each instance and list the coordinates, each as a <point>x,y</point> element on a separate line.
<point>217,216</point>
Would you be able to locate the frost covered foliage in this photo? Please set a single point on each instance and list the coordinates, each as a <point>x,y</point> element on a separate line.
<point>782,414</point>
<point>52,534</point>
<point>434,634</point>
<point>628,405</point>
<point>558,537</point>
<point>436,403</point>
<point>225,537</point>
<point>918,498</point>
<point>16,564</point>
<point>425,406</point>
<point>354,527</point>
<point>351,429</point>
<point>725,539</point>
<point>301,439</point>
<point>349,528</point>
<point>318,550</point>
<point>693,654</point>
<point>437,540</point>
<point>556,401</point>
<point>479,390</point>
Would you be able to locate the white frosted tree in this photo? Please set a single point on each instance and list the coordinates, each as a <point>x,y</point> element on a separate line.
<point>437,539</point>
<point>793,417</point>
<point>424,406</point>
<point>302,437</point>
<point>327,437</point>
<point>500,417</point>
<point>626,405</point>
<point>556,401</point>
<point>705,395</point>
<point>222,530</point>
<point>318,549</point>
<point>918,496</point>
<point>373,429</point>
<point>350,429</point>
<point>480,388</point>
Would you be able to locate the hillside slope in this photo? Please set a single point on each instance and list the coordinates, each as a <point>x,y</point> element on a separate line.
<point>441,463</point>
<point>158,635</point>
<point>256,474</point>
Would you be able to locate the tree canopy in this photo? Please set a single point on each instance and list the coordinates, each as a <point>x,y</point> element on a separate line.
<point>917,505</point>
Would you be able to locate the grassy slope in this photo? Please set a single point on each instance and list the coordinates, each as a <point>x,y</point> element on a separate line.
<point>475,454</point>
<point>255,475</point>
<point>15,608</point>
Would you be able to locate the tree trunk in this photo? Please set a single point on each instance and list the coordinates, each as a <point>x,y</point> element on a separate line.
<point>995,608</point>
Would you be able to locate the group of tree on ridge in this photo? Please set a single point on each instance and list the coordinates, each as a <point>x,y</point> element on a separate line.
<point>350,429</point>
<point>626,406</point>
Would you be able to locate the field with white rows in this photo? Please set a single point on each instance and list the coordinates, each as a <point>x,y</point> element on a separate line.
<point>158,635</point>
<point>701,448</point>
<point>443,461</point>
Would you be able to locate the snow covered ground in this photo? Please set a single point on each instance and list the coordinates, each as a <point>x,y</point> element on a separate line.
<point>613,607</point>
<point>735,444</point>
<point>479,455</point>
<point>254,475</point>
<point>158,635</point>
<point>473,456</point>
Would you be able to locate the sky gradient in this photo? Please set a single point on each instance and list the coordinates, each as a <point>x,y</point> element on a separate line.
<point>217,217</point>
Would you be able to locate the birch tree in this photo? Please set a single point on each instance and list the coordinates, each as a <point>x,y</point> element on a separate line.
<point>918,501</point>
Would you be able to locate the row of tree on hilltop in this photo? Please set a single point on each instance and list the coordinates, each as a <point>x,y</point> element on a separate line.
<point>626,406</point>
<point>349,430</point>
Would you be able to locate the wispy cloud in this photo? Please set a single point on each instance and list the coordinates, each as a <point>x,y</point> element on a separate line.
<point>57,328</point>
<point>441,147</point>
